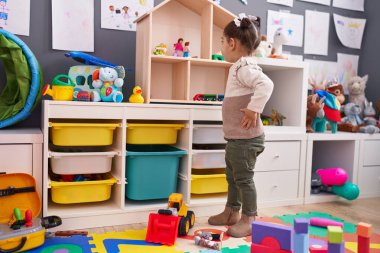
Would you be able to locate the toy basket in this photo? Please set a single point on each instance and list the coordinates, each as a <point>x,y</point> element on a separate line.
<point>205,181</point>
<point>152,133</point>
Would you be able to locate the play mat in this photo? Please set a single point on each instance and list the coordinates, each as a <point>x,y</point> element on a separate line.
<point>133,241</point>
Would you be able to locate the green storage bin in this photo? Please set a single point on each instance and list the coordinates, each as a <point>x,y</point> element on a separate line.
<point>151,171</point>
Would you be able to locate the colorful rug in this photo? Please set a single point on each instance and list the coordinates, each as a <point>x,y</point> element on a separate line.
<point>133,241</point>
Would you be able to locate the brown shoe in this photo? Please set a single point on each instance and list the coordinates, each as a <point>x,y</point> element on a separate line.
<point>242,228</point>
<point>228,217</point>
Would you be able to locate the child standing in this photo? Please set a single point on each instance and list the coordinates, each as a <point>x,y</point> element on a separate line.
<point>247,91</point>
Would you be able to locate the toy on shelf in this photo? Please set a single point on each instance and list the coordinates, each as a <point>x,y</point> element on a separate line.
<point>334,180</point>
<point>60,90</point>
<point>332,113</point>
<point>264,50</point>
<point>277,119</point>
<point>336,89</point>
<point>314,110</point>
<point>178,48</point>
<point>352,119</point>
<point>356,89</point>
<point>175,220</point>
<point>370,122</point>
<point>83,95</point>
<point>209,240</point>
<point>108,81</point>
<point>136,96</point>
<point>280,38</point>
<point>186,49</point>
<point>217,57</point>
<point>160,49</point>
<point>317,86</point>
<point>208,97</point>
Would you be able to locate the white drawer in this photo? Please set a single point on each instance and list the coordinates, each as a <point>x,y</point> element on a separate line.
<point>276,185</point>
<point>371,152</point>
<point>279,156</point>
<point>208,134</point>
<point>369,180</point>
<point>208,159</point>
<point>16,158</point>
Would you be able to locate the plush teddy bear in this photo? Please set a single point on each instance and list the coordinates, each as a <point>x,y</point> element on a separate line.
<point>356,88</point>
<point>369,120</point>
<point>352,112</point>
<point>109,83</point>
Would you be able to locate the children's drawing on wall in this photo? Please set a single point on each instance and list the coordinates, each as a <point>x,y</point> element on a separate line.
<point>347,68</point>
<point>293,25</point>
<point>323,2</point>
<point>15,16</point>
<point>121,14</point>
<point>73,25</point>
<point>282,2</point>
<point>322,72</point>
<point>349,30</point>
<point>316,32</point>
<point>355,5</point>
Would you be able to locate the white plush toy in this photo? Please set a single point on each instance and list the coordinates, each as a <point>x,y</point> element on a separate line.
<point>280,38</point>
<point>264,49</point>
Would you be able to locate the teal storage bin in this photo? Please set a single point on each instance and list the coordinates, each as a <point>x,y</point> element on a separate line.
<point>151,171</point>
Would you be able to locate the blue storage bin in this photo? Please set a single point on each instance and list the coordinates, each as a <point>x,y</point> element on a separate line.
<point>151,171</point>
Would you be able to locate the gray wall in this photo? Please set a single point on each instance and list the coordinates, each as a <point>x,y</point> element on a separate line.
<point>119,46</point>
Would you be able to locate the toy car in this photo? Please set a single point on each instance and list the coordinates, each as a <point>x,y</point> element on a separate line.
<point>208,97</point>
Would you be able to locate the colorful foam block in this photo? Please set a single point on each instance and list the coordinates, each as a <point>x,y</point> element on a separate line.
<point>334,234</point>
<point>363,244</point>
<point>301,226</point>
<point>301,243</point>
<point>364,229</point>
<point>317,249</point>
<point>335,248</point>
<point>257,248</point>
<point>283,234</point>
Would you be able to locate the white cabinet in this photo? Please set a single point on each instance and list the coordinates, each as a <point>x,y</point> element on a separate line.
<point>369,166</point>
<point>21,152</point>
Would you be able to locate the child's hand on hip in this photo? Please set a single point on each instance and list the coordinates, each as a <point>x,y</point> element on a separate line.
<point>249,119</point>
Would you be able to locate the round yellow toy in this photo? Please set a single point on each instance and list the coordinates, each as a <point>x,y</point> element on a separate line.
<point>136,97</point>
<point>60,90</point>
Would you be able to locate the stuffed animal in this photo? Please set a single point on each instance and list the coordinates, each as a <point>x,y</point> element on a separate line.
<point>264,49</point>
<point>352,112</point>
<point>316,86</point>
<point>314,110</point>
<point>109,83</point>
<point>332,113</point>
<point>280,38</point>
<point>337,90</point>
<point>369,120</point>
<point>356,88</point>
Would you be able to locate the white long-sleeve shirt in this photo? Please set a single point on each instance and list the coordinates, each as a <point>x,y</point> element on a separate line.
<point>247,87</point>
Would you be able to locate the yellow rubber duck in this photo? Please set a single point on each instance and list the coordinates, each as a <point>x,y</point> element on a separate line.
<point>136,97</point>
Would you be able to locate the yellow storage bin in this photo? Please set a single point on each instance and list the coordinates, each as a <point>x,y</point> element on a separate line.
<point>140,133</point>
<point>82,134</point>
<point>205,181</point>
<point>82,192</point>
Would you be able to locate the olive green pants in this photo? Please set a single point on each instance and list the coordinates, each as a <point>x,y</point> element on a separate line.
<point>241,158</point>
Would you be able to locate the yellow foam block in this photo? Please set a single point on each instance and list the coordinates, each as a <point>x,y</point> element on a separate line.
<point>364,229</point>
<point>334,234</point>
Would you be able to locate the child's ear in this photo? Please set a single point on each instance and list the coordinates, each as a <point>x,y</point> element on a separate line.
<point>232,43</point>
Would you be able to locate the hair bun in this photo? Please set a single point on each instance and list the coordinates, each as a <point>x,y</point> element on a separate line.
<point>246,23</point>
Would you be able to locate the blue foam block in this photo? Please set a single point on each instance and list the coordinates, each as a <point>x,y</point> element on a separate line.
<point>283,234</point>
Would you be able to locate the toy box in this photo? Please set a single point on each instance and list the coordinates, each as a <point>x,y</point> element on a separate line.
<point>18,191</point>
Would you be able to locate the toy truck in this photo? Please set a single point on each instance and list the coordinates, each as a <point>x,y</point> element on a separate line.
<point>175,220</point>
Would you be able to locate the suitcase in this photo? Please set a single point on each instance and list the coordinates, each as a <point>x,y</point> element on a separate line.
<point>17,195</point>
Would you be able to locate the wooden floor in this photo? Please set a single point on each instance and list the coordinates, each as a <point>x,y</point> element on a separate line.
<point>362,210</point>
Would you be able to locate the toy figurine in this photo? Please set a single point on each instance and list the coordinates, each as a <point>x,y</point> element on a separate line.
<point>277,118</point>
<point>109,83</point>
<point>178,48</point>
<point>264,49</point>
<point>160,49</point>
<point>186,50</point>
<point>206,239</point>
<point>136,97</point>
<point>280,38</point>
